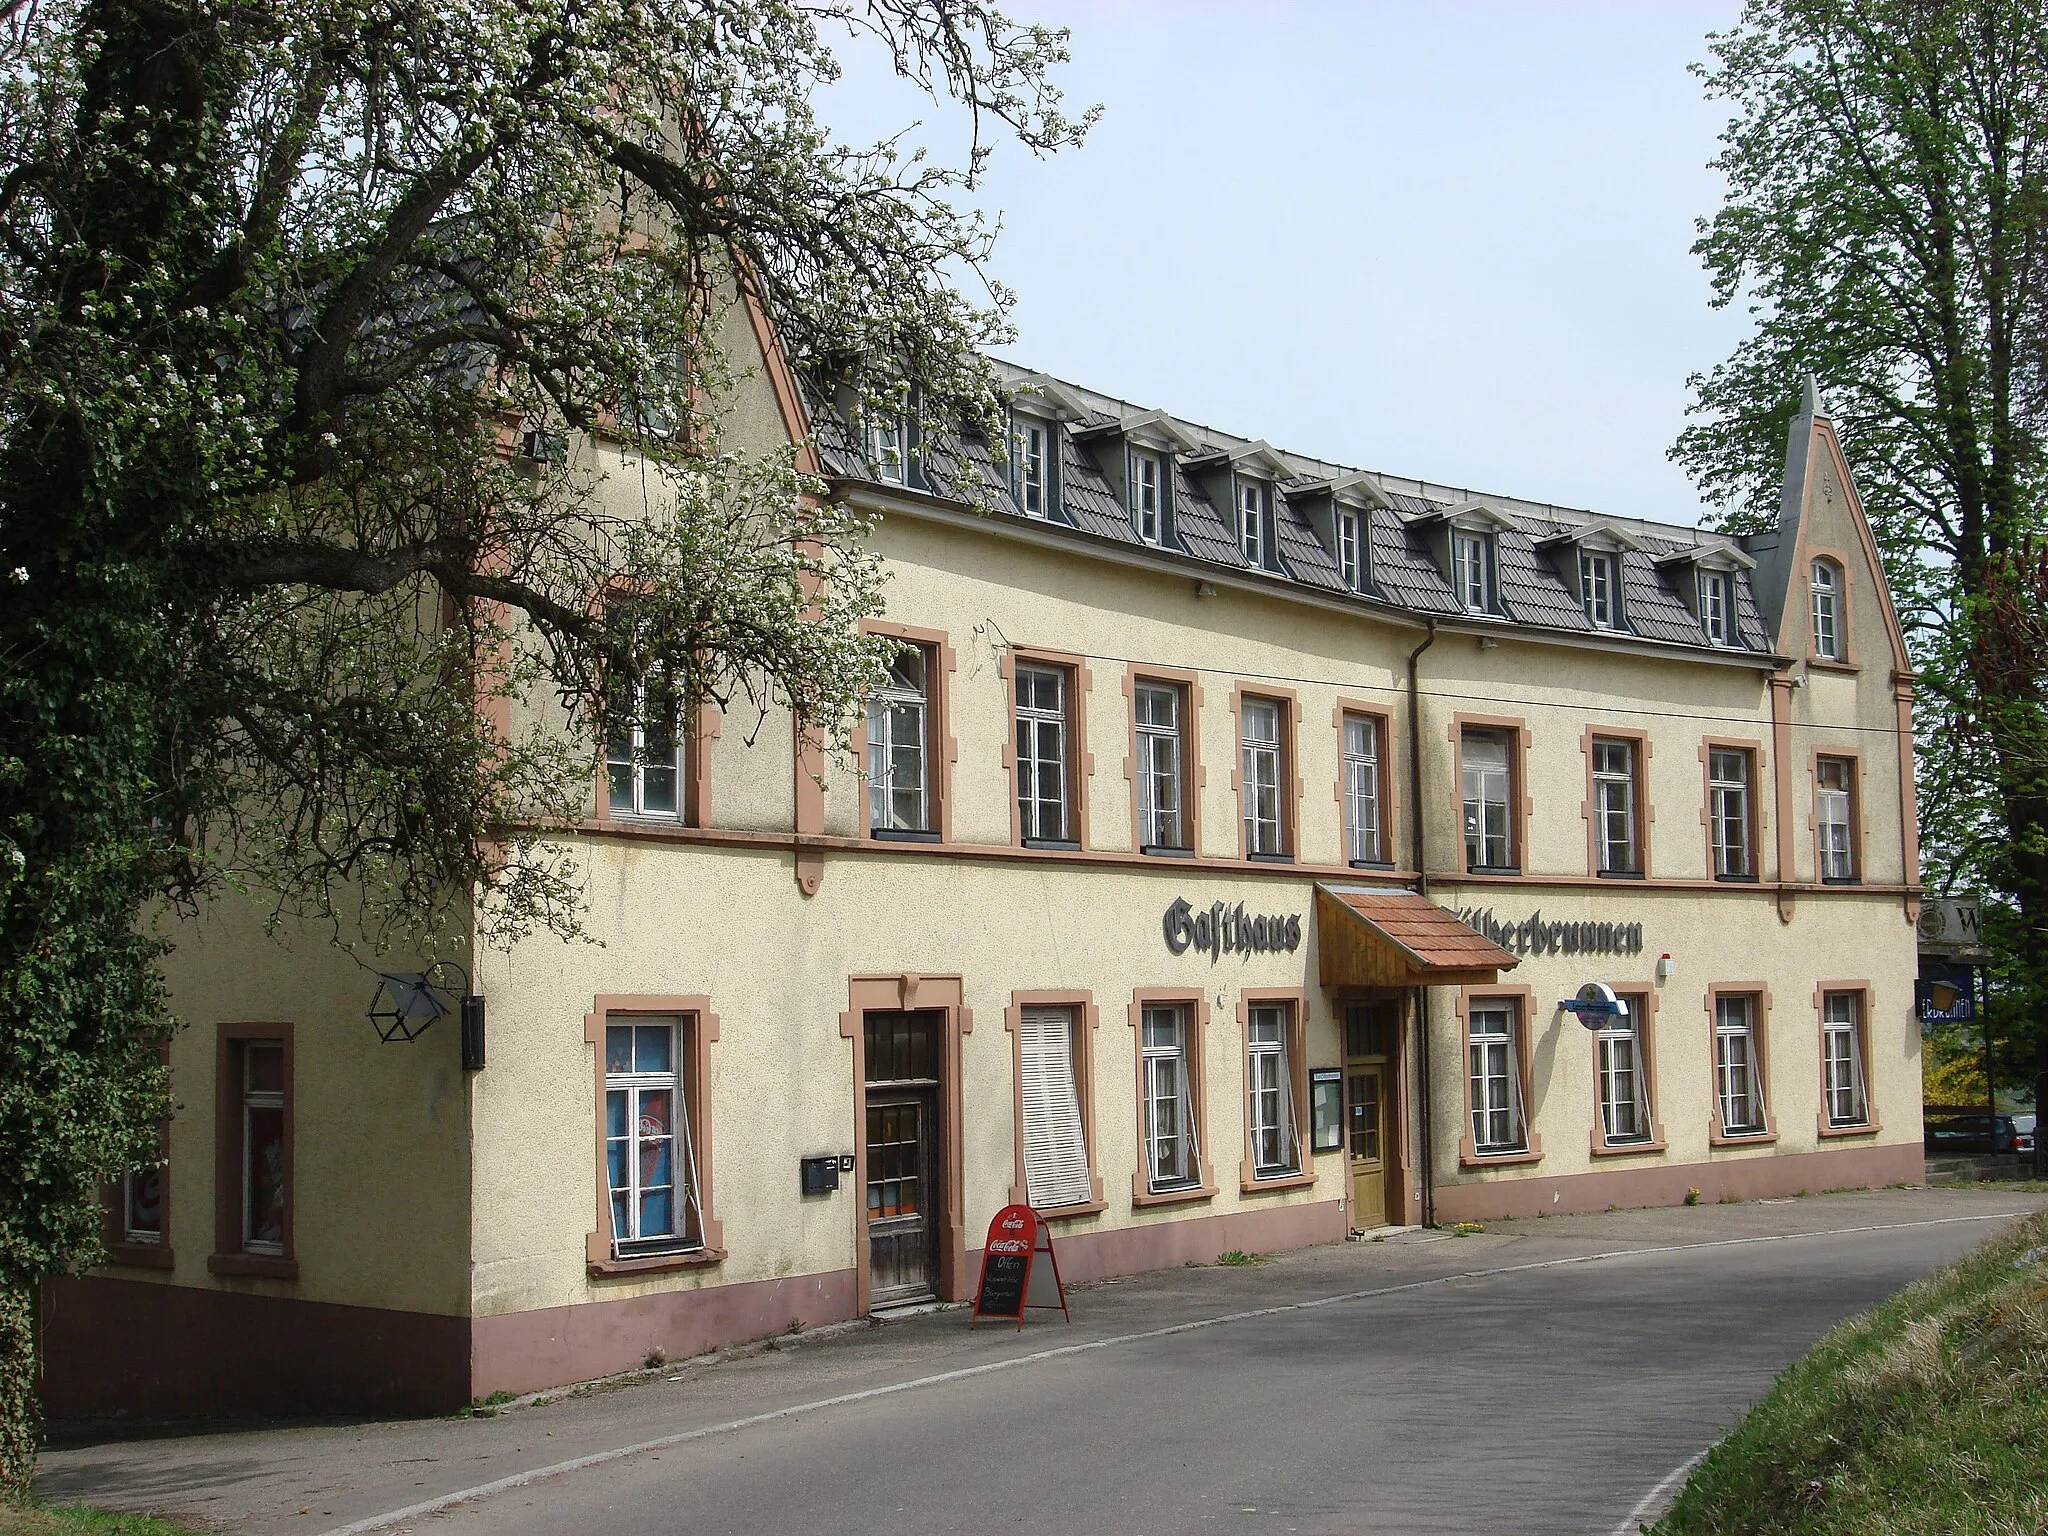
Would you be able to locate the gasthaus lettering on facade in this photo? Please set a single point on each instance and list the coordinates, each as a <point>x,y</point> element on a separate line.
<point>1208,875</point>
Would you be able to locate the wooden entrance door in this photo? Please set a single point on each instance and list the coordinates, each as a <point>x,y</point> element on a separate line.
<point>902,1126</point>
<point>1368,1037</point>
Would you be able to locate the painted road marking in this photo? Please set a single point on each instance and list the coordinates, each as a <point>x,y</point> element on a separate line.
<point>731,1426</point>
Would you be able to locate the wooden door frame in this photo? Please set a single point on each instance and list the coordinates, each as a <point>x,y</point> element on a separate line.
<point>1397,1154</point>
<point>908,992</point>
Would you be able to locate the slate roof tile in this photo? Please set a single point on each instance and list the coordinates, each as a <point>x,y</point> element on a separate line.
<point>1302,552</point>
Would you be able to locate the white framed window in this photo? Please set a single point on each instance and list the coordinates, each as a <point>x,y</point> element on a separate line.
<point>1158,725</point>
<point>1614,806</point>
<point>1254,501</point>
<point>1259,726</point>
<point>643,753</point>
<point>1496,1079</point>
<point>1042,753</point>
<point>1827,610</point>
<point>1834,798</point>
<point>1472,570</point>
<point>1738,1075</point>
<point>1055,1130</point>
<point>1599,590</point>
<point>264,1181</point>
<point>886,450</point>
<point>1270,1109</point>
<point>1624,1078</point>
<point>1716,606</point>
<point>1488,785</point>
<point>1028,467</point>
<point>899,767</point>
<point>1728,812</point>
<point>1173,1158</point>
<point>1144,484</point>
<point>650,1152</point>
<point>1362,789</point>
<point>1841,1015</point>
<point>1351,556</point>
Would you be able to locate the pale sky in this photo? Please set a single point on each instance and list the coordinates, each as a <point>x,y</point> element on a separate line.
<point>1448,240</point>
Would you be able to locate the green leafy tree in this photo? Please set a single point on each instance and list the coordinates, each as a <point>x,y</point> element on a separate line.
<point>280,286</point>
<point>1886,223</point>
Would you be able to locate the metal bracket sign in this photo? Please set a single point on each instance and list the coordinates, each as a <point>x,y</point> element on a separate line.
<point>1949,928</point>
<point>1945,994</point>
<point>1011,1279</point>
<point>1596,1006</point>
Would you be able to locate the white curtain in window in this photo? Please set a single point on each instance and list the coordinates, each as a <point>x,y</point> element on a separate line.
<point>1055,1137</point>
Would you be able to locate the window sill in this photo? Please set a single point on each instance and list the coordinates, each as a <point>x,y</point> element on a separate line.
<point>1142,1199</point>
<point>1371,864</point>
<point>274,1265</point>
<point>657,1263</point>
<point>1619,874</point>
<point>1514,870</point>
<point>1259,1186</point>
<point>1504,1159</point>
<point>1056,1212</point>
<point>900,835</point>
<point>1763,1138</point>
<point>648,818</point>
<point>1838,1132</point>
<point>1604,1148</point>
<point>1736,880</point>
<point>1269,858</point>
<point>1161,851</point>
<point>1056,844</point>
<point>140,1255</point>
<point>1841,879</point>
<point>1829,664</point>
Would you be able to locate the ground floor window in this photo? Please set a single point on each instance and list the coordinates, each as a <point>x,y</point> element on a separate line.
<point>1055,1130</point>
<point>1496,1078</point>
<point>142,1217</point>
<point>1276,1148</point>
<point>650,1151</point>
<point>1624,1079</point>
<point>1172,1132</point>
<point>1842,1055</point>
<point>254,1110</point>
<point>1738,1073</point>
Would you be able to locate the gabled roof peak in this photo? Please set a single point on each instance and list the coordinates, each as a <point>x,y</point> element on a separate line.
<point>1713,553</point>
<point>1601,533</point>
<point>1260,455</point>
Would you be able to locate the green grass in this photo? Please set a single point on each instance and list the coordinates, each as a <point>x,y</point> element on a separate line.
<point>1927,1415</point>
<point>1237,1257</point>
<point>83,1522</point>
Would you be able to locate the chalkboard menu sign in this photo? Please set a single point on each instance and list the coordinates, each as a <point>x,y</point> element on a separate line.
<point>1011,1278</point>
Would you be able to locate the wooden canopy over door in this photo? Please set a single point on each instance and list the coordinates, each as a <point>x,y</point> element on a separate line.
<point>1376,938</point>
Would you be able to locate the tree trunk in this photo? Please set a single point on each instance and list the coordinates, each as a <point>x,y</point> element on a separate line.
<point>20,1420</point>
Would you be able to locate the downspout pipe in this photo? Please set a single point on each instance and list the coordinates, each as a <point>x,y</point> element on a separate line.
<point>1415,816</point>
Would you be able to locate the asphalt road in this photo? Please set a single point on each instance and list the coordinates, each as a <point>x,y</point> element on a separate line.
<point>1541,1378</point>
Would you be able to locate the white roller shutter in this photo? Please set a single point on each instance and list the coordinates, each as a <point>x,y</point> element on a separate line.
<point>1055,1146</point>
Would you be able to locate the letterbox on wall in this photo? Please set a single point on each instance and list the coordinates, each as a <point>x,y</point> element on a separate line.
<point>821,1174</point>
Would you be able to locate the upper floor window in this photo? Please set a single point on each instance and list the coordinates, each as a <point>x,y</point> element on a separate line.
<point>1161,786</point>
<point>1042,789</point>
<point>1351,548</point>
<point>1614,807</point>
<point>1488,783</point>
<point>1834,799</point>
<point>1265,828</point>
<point>1029,467</point>
<point>1717,607</point>
<point>1827,610</point>
<point>1599,588</point>
<point>1472,570</point>
<point>899,756</point>
<point>1143,481</point>
<point>644,748</point>
<point>1729,812</point>
<point>1362,789</point>
<point>1254,503</point>
<point>886,449</point>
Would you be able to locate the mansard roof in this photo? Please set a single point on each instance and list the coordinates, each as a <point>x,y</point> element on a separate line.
<point>1403,516</point>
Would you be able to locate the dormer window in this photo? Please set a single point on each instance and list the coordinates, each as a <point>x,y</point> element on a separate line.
<point>1599,588</point>
<point>1472,569</point>
<point>1143,479</point>
<point>1717,604</point>
<point>1827,611</point>
<point>1255,507</point>
<point>1351,548</point>
<point>885,449</point>
<point>1029,466</point>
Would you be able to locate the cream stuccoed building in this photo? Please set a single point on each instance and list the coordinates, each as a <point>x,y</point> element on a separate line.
<point>1214,873</point>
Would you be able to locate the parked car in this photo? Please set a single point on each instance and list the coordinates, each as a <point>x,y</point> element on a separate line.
<point>2023,1134</point>
<point>1962,1131</point>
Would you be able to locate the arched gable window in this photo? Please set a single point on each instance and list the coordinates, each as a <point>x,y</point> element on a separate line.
<point>1827,611</point>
